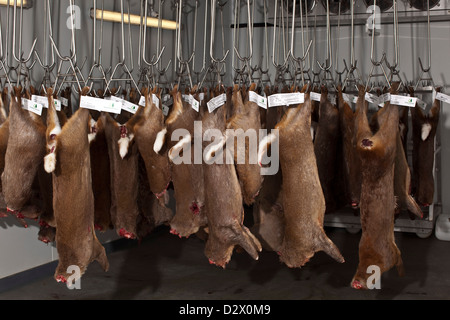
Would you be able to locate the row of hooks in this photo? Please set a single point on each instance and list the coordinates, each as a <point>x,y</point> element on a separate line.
<point>292,68</point>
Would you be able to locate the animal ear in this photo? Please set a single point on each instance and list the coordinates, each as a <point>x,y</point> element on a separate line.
<point>175,150</point>
<point>425,131</point>
<point>160,140</point>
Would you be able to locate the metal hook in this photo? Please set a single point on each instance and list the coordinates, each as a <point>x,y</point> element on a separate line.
<point>298,60</point>
<point>428,67</point>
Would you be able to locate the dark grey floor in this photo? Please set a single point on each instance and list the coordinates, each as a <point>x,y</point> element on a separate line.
<point>166,267</point>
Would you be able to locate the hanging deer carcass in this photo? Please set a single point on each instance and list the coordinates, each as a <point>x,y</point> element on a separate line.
<point>68,159</point>
<point>303,200</point>
<point>377,152</point>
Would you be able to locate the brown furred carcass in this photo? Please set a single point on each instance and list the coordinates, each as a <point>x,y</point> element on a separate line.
<point>23,157</point>
<point>68,159</point>
<point>245,124</point>
<point>154,165</point>
<point>4,132</point>
<point>326,144</point>
<point>377,152</point>
<point>187,174</point>
<point>351,160</point>
<point>223,199</point>
<point>424,127</point>
<point>124,163</point>
<point>268,218</point>
<point>303,200</point>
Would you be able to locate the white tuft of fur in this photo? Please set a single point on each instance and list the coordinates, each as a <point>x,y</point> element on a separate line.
<point>124,143</point>
<point>175,150</point>
<point>50,162</point>
<point>264,145</point>
<point>426,129</point>
<point>159,141</point>
<point>216,147</point>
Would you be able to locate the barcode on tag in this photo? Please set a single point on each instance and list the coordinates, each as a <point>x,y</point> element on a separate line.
<point>256,98</point>
<point>216,102</point>
<point>443,97</point>
<point>44,101</point>
<point>32,106</point>
<point>286,99</point>
<point>403,100</point>
<point>106,105</point>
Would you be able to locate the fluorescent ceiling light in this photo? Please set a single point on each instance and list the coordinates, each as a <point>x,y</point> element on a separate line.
<point>134,19</point>
<point>26,3</point>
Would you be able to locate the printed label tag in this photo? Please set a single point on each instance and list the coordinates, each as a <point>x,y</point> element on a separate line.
<point>99,104</point>
<point>142,101</point>
<point>201,97</point>
<point>370,97</point>
<point>421,104</point>
<point>165,109</point>
<point>155,100</point>
<point>216,102</point>
<point>126,105</point>
<point>349,98</point>
<point>315,96</point>
<point>194,103</point>
<point>403,100</point>
<point>32,106</point>
<point>443,97</point>
<point>286,99</point>
<point>256,98</point>
<point>64,101</point>
<point>44,101</point>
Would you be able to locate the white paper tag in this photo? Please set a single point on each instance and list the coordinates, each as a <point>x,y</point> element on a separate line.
<point>194,103</point>
<point>421,104</point>
<point>286,99</point>
<point>165,109</point>
<point>32,106</point>
<point>403,100</point>
<point>126,105</point>
<point>443,97</point>
<point>106,105</point>
<point>256,98</point>
<point>142,101</point>
<point>201,97</point>
<point>349,98</point>
<point>314,96</point>
<point>372,98</point>
<point>216,102</point>
<point>44,101</point>
<point>64,101</point>
<point>155,100</point>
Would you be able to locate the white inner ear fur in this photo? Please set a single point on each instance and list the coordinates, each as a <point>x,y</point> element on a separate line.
<point>264,145</point>
<point>175,150</point>
<point>159,141</point>
<point>426,129</point>
<point>124,143</point>
<point>216,147</point>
